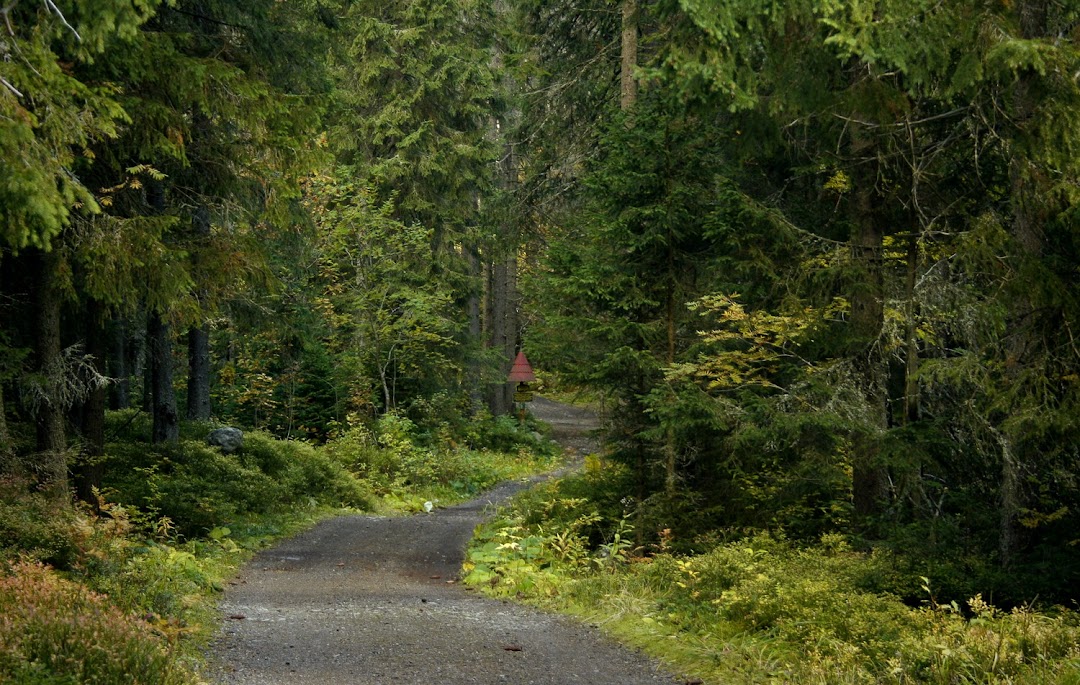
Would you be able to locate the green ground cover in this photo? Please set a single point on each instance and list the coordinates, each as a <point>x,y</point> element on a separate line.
<point>756,608</point>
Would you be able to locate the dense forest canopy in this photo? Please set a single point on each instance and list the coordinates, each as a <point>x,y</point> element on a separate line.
<point>819,258</point>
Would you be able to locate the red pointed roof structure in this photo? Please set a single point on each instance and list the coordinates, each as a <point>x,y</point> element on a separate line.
<point>521,372</point>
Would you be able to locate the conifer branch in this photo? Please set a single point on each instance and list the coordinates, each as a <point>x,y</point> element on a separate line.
<point>212,20</point>
<point>15,44</point>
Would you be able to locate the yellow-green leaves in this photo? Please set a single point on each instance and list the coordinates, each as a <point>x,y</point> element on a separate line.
<point>745,347</point>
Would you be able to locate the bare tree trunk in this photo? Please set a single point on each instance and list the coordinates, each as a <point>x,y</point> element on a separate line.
<point>7,449</point>
<point>90,414</point>
<point>385,369</point>
<point>473,306</point>
<point>1029,217</point>
<point>51,437</point>
<point>502,330</point>
<point>120,396</point>
<point>671,313</point>
<point>629,54</point>
<point>198,389</point>
<point>144,368</point>
<point>198,385</point>
<point>869,481</point>
<point>501,311</point>
<point>911,344</point>
<point>166,420</point>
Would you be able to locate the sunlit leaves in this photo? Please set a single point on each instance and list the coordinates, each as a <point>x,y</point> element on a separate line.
<point>745,348</point>
<point>393,317</point>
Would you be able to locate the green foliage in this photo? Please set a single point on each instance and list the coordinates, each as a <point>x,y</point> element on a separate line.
<point>507,434</point>
<point>398,216</point>
<point>407,468</point>
<point>212,139</point>
<point>128,563</point>
<point>650,202</point>
<point>563,87</point>
<point>197,488</point>
<point>560,528</point>
<point>760,607</point>
<point>49,116</point>
<point>416,92</point>
<point>393,315</point>
<point>305,472</point>
<point>53,631</point>
<point>818,161</point>
<point>165,584</point>
<point>31,525</point>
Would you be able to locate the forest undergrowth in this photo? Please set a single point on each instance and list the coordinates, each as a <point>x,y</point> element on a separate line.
<point>125,590</point>
<point>753,606</point>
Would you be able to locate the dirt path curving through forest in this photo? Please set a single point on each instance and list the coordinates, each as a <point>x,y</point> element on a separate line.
<point>362,600</point>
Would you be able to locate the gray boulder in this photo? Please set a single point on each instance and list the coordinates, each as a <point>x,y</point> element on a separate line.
<point>228,439</point>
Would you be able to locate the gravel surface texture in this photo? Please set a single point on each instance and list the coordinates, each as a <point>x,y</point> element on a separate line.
<point>365,599</point>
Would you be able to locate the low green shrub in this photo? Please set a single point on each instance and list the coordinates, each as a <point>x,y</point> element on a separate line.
<point>53,631</point>
<point>305,472</point>
<point>401,468</point>
<point>447,421</point>
<point>128,425</point>
<point>32,525</point>
<point>162,582</point>
<point>508,434</point>
<point>266,453</point>
<point>197,488</point>
<point>387,459</point>
<point>193,485</point>
<point>760,608</point>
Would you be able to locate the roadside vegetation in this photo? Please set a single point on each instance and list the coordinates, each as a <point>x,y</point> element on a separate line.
<point>751,606</point>
<point>124,590</point>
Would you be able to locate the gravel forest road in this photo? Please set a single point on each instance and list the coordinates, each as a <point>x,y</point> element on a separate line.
<point>361,600</point>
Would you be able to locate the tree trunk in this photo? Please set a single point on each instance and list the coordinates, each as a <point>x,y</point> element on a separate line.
<point>473,306</point>
<point>7,449</point>
<point>1027,229</point>
<point>671,325</point>
<point>502,330</point>
<point>90,414</point>
<point>501,310</point>
<point>869,479</point>
<point>198,389</point>
<point>51,438</point>
<point>163,399</point>
<point>144,369</point>
<point>198,386</point>
<point>911,344</point>
<point>120,396</point>
<point>629,54</point>
<point>510,340</point>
